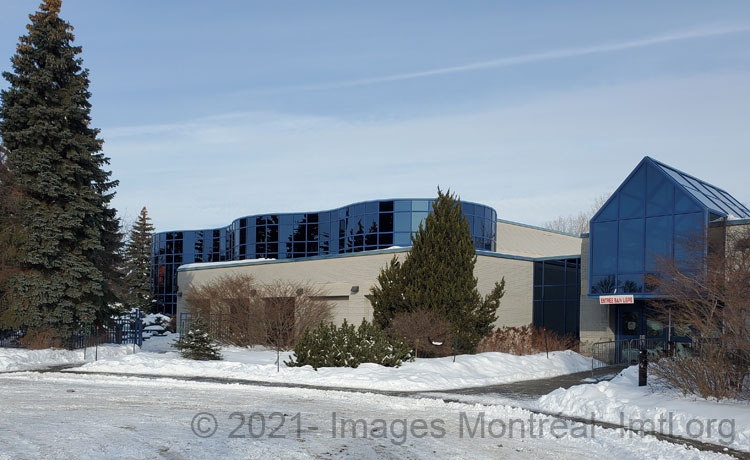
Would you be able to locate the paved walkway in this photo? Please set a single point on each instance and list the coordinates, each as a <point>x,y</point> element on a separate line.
<point>533,389</point>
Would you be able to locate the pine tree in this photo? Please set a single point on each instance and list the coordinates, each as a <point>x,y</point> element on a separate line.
<point>438,276</point>
<point>72,234</point>
<point>138,262</point>
<point>197,342</point>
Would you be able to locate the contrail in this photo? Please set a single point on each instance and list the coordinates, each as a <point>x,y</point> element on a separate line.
<point>522,59</point>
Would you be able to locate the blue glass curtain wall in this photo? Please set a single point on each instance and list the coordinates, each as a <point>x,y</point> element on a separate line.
<point>357,227</point>
<point>557,301</point>
<point>650,219</point>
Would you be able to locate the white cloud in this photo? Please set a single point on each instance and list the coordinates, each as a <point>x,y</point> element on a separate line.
<point>531,162</point>
<point>564,53</point>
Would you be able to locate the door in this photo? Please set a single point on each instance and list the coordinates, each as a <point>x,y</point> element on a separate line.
<point>630,326</point>
<point>629,322</point>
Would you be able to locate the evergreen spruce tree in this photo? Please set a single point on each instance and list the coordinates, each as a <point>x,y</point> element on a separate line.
<point>197,342</point>
<point>138,262</point>
<point>72,234</point>
<point>438,276</point>
<point>387,297</point>
<point>11,238</point>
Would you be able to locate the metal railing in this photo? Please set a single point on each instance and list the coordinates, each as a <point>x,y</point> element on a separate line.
<point>623,352</point>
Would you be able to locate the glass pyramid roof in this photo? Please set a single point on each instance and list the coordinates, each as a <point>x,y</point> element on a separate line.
<point>714,198</point>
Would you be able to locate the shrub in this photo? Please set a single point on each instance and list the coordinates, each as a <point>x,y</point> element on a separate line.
<point>172,326</point>
<point>526,340</point>
<point>197,342</point>
<point>705,297</point>
<point>347,346</point>
<point>421,329</point>
<point>242,312</point>
<point>39,339</point>
<point>706,370</point>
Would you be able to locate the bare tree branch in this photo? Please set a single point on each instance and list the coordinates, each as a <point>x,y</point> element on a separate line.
<point>577,223</point>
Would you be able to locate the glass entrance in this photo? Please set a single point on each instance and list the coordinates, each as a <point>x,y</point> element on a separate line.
<point>634,321</point>
<point>629,322</point>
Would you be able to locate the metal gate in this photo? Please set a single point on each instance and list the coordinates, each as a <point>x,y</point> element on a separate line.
<point>126,329</point>
<point>121,330</point>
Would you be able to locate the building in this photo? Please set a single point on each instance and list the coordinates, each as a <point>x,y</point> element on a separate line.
<point>358,227</point>
<point>553,279</point>
<point>657,213</point>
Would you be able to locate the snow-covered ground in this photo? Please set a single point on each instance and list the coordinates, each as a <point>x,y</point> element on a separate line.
<point>422,374</point>
<point>55,415</point>
<point>655,407</point>
<point>140,403</point>
<point>14,359</point>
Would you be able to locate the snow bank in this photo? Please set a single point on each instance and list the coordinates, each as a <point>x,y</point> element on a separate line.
<point>16,359</point>
<point>159,343</point>
<point>622,401</point>
<point>422,374</point>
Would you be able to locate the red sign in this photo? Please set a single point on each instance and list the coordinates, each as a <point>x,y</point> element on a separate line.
<point>615,299</point>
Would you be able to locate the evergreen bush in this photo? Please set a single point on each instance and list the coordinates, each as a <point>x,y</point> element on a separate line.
<point>347,346</point>
<point>197,342</point>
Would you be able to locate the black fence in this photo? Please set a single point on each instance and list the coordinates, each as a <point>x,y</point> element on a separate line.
<point>121,330</point>
<point>11,338</point>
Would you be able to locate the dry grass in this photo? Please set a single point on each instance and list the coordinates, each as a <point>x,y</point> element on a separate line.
<point>42,338</point>
<point>526,340</point>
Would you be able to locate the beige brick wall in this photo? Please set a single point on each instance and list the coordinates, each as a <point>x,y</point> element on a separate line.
<point>516,306</point>
<point>596,320</point>
<point>337,275</point>
<point>523,240</point>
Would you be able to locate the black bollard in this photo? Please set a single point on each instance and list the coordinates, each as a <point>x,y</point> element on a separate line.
<point>642,367</point>
<point>455,346</point>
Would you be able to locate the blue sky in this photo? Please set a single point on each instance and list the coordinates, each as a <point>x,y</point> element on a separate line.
<point>214,110</point>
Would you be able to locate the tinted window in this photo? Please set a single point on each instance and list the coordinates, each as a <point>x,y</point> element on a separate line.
<point>604,250</point>
<point>631,246</point>
<point>660,193</point>
<point>632,195</point>
<point>658,241</point>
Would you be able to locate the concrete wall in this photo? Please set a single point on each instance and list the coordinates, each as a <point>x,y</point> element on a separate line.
<point>597,321</point>
<point>525,240</point>
<point>337,275</point>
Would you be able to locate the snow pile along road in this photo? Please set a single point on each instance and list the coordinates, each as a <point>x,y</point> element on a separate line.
<point>16,359</point>
<point>655,408</point>
<point>420,375</point>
